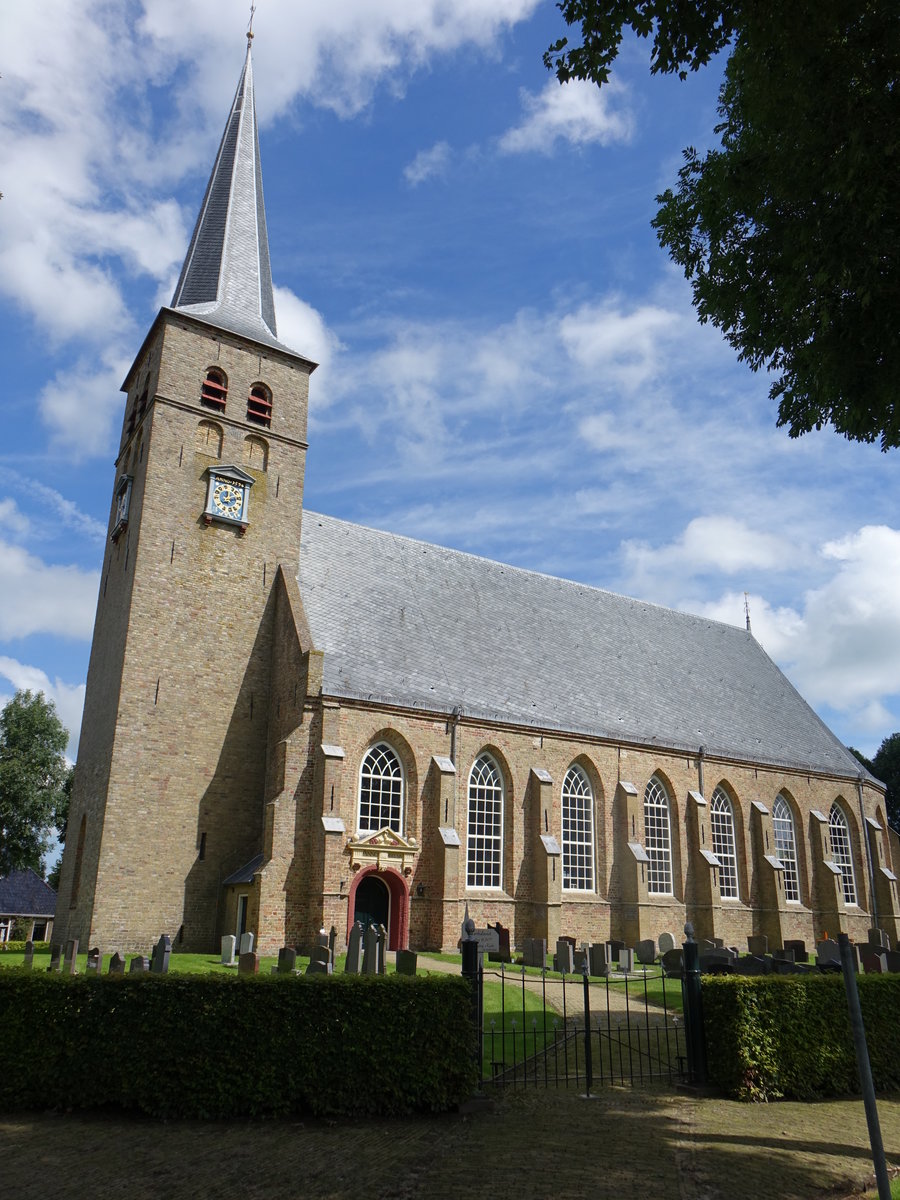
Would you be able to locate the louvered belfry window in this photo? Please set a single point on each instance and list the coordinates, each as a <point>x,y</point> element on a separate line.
<point>214,390</point>
<point>259,405</point>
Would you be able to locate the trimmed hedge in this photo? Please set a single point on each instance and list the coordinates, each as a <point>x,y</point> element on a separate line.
<point>220,1046</point>
<point>789,1035</point>
<point>19,947</point>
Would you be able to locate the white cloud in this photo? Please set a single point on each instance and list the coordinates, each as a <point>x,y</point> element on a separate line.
<point>55,509</point>
<point>428,164</point>
<point>576,112</point>
<point>44,598</point>
<point>304,329</point>
<point>12,519</point>
<point>68,698</point>
<point>719,544</point>
<point>82,405</point>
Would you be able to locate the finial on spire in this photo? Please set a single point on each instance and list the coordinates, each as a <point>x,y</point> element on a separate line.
<point>250,26</point>
<point>747,610</point>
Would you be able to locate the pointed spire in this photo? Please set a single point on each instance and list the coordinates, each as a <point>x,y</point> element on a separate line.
<point>226,278</point>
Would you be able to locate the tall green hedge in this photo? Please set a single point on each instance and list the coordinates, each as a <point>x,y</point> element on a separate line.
<point>789,1035</point>
<point>220,1046</point>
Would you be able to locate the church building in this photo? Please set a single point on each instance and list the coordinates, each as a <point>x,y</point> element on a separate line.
<point>293,722</point>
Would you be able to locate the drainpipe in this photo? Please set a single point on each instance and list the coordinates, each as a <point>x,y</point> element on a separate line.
<point>700,771</point>
<point>868,845</point>
<point>454,724</point>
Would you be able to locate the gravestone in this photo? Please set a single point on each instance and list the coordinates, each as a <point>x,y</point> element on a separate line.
<point>783,955</point>
<point>246,943</point>
<point>287,960</point>
<point>892,958</point>
<point>874,963</point>
<point>320,959</point>
<point>798,947</point>
<point>645,952</point>
<point>353,962</point>
<point>597,962</point>
<point>94,962</point>
<point>159,964</point>
<point>750,964</point>
<point>117,964</point>
<point>504,954</point>
<point>581,961</point>
<point>28,961</point>
<point>55,955</point>
<point>139,965</point>
<point>612,950</point>
<point>332,938</point>
<point>382,948</point>
<point>717,962</point>
<point>564,959</point>
<point>705,945</point>
<point>758,944</point>
<point>370,951</point>
<point>406,962</point>
<point>626,960</point>
<point>229,941</point>
<point>827,951</point>
<point>879,940</point>
<point>248,963</point>
<point>71,953</point>
<point>535,954</point>
<point>666,943</point>
<point>673,963</point>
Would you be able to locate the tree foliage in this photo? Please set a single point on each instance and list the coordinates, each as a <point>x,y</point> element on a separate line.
<point>788,232</point>
<point>34,779</point>
<point>886,767</point>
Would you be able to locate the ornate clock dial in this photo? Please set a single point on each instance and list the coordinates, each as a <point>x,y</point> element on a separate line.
<point>228,500</point>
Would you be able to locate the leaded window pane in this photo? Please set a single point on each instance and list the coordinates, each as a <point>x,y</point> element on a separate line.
<point>721,820</point>
<point>840,851</point>
<point>786,846</point>
<point>484,846</point>
<point>381,791</point>
<point>658,839</point>
<point>577,831</point>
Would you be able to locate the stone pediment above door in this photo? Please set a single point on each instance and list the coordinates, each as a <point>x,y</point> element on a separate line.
<point>386,848</point>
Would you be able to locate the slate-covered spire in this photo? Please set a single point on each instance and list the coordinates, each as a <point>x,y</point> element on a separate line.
<point>226,278</point>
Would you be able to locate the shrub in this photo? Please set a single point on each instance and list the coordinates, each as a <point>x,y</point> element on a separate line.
<point>19,947</point>
<point>220,1046</point>
<point>789,1035</point>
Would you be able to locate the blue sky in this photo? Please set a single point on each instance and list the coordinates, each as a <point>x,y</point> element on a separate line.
<point>509,363</point>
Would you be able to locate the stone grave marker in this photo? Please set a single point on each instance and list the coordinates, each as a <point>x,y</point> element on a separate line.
<point>55,955</point>
<point>580,959</point>
<point>798,947</point>
<point>758,944</point>
<point>597,962</point>
<point>94,962</point>
<point>319,959</point>
<point>229,941</point>
<point>828,951</point>
<point>535,953</point>
<point>626,959</point>
<point>873,962</point>
<point>750,964</point>
<point>666,943</point>
<point>332,938</point>
<point>353,962</point>
<point>159,964</point>
<point>287,961</point>
<point>69,967</point>
<point>892,958</point>
<point>879,940</point>
<point>117,964</point>
<point>613,946</point>
<point>406,962</point>
<point>785,956</point>
<point>645,952</point>
<point>370,951</point>
<point>382,948</point>
<point>673,963</point>
<point>139,965</point>
<point>564,959</point>
<point>719,961</point>
<point>248,963</point>
<point>246,943</point>
<point>503,953</point>
<point>28,961</point>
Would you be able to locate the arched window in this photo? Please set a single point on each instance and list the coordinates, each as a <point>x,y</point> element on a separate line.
<point>721,820</point>
<point>658,839</point>
<point>786,846</point>
<point>259,405</point>
<point>381,791</point>
<point>256,452</point>
<point>840,851</point>
<point>209,438</point>
<point>214,390</point>
<point>484,841</point>
<point>577,831</point>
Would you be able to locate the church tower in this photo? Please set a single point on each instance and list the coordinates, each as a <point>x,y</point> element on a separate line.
<point>207,500</point>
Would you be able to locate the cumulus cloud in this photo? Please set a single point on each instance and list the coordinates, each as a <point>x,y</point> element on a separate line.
<point>68,698</point>
<point>721,544</point>
<point>305,330</point>
<point>578,113</point>
<point>39,597</point>
<point>82,405</point>
<point>428,164</point>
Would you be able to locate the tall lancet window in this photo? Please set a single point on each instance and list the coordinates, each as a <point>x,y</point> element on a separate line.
<point>840,851</point>
<point>577,831</point>
<point>786,847</point>
<point>381,791</point>
<point>721,819</point>
<point>484,836</point>
<point>658,839</point>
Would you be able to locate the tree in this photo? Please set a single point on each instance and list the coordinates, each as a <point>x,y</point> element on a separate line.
<point>789,232</point>
<point>33,779</point>
<point>886,767</point>
<point>866,762</point>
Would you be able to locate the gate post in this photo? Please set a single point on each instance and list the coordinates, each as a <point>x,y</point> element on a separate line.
<point>471,969</point>
<point>695,1033</point>
<point>588,1059</point>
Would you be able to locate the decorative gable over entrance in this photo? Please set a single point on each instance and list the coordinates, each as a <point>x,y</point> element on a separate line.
<point>383,849</point>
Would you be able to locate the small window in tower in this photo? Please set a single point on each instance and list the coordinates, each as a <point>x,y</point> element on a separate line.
<point>214,390</point>
<point>259,405</point>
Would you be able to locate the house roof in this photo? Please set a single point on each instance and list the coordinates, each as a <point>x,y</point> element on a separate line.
<point>411,624</point>
<point>245,873</point>
<point>24,894</point>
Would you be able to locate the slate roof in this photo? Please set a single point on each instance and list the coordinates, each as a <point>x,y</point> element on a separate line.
<point>420,626</point>
<point>24,894</point>
<point>227,278</point>
<point>245,873</point>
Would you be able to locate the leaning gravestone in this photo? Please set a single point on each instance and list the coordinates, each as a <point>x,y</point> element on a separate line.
<point>353,961</point>
<point>758,944</point>
<point>117,964</point>
<point>159,964</point>
<point>248,964</point>
<point>247,943</point>
<point>645,952</point>
<point>71,955</point>
<point>597,961</point>
<point>55,955</point>
<point>564,959</point>
<point>370,951</point>
<point>28,961</point>
<point>139,965</point>
<point>94,962</point>
<point>406,962</point>
<point>229,941</point>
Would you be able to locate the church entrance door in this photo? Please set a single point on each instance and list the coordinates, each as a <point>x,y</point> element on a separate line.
<point>373,903</point>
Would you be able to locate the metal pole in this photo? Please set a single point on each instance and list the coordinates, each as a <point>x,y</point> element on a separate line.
<point>588,1059</point>
<point>693,1008</point>
<point>471,971</point>
<point>865,1070</point>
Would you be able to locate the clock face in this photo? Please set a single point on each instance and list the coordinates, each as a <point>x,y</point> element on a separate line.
<point>228,500</point>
